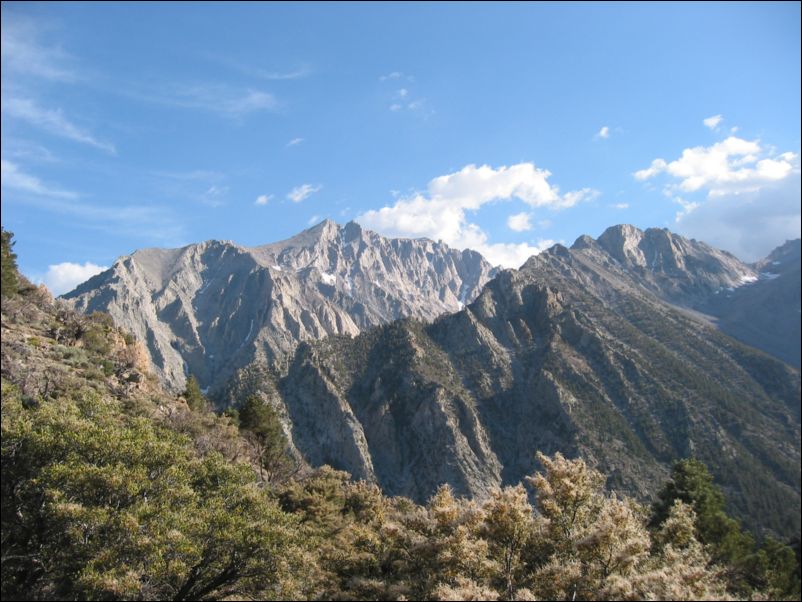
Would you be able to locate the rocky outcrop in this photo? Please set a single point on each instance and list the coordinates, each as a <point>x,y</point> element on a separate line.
<point>678,270</point>
<point>213,307</point>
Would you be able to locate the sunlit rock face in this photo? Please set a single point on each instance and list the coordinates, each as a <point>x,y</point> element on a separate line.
<point>212,307</point>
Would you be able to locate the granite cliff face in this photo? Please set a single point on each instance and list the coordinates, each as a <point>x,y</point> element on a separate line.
<point>213,307</point>
<point>578,352</point>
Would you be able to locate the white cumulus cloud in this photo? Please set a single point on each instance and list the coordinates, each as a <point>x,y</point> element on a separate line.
<point>299,193</point>
<point>712,122</point>
<point>63,277</point>
<point>604,132</point>
<point>510,255</point>
<point>262,199</point>
<point>519,222</point>
<point>731,166</point>
<point>736,194</point>
<point>440,212</point>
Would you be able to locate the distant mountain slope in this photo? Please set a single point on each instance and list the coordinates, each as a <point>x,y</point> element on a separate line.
<point>559,355</point>
<point>766,314</point>
<point>213,307</point>
<point>758,304</point>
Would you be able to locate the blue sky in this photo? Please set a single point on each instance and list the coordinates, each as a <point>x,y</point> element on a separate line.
<point>500,127</point>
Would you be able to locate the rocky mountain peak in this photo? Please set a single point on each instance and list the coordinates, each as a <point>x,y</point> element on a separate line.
<point>351,231</point>
<point>622,242</point>
<point>781,259</point>
<point>212,307</point>
<point>584,242</point>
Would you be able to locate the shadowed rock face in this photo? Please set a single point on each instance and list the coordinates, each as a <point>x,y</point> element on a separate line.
<point>213,307</point>
<point>766,313</point>
<point>560,355</point>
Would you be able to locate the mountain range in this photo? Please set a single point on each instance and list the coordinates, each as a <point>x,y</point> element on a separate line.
<point>410,364</point>
<point>210,308</point>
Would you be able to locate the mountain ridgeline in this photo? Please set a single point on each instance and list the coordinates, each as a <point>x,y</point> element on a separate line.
<point>213,307</point>
<point>559,355</point>
<point>611,350</point>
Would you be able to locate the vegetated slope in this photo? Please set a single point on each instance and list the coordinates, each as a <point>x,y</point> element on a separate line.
<point>210,308</point>
<point>112,488</point>
<point>558,356</point>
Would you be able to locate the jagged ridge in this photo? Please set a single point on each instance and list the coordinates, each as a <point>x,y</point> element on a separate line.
<point>213,307</point>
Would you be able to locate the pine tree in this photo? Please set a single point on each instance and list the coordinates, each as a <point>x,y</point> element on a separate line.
<point>263,429</point>
<point>196,401</point>
<point>749,569</point>
<point>8,265</point>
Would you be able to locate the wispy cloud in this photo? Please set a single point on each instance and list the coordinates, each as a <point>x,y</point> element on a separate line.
<point>620,206</point>
<point>24,54</point>
<point>712,122</point>
<point>687,207</point>
<point>140,222</point>
<point>280,75</point>
<point>52,121</point>
<point>263,199</point>
<point>15,179</point>
<point>603,133</point>
<point>257,72</point>
<point>402,100</point>
<point>215,98</point>
<point>214,196</point>
<point>441,212</point>
<point>396,75</point>
<point>295,142</point>
<point>195,175</point>
<point>299,193</point>
<point>19,148</point>
<point>146,222</point>
<point>313,220</point>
